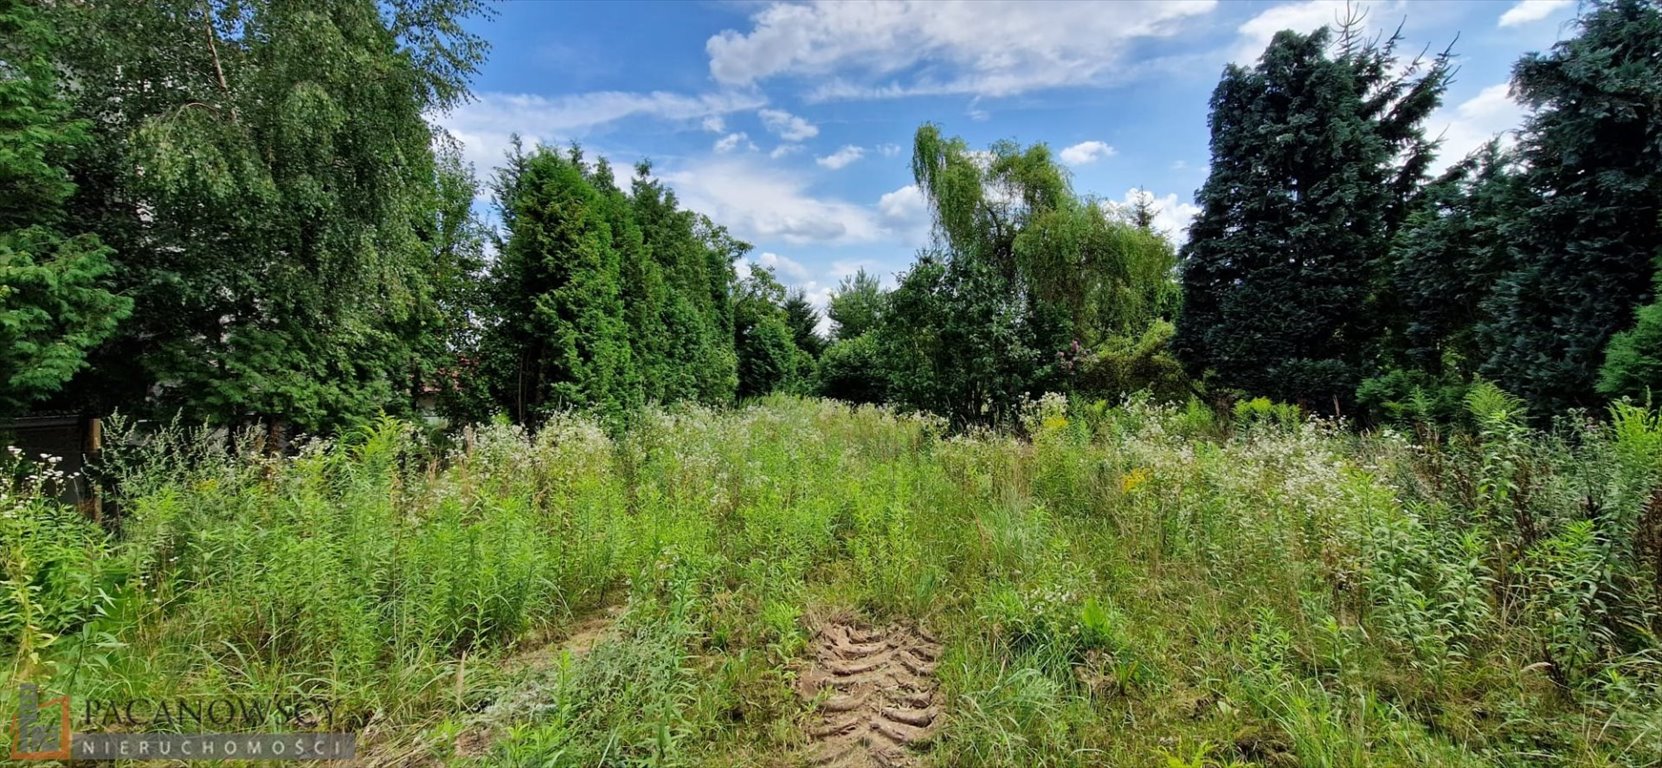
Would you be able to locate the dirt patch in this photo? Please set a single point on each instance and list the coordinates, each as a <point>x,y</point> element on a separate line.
<point>875,692</point>
<point>476,740</point>
<point>530,666</point>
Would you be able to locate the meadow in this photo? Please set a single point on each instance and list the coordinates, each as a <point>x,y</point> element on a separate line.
<point>1114,584</point>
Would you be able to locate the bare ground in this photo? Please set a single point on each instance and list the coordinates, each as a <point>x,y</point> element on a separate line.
<point>876,694</point>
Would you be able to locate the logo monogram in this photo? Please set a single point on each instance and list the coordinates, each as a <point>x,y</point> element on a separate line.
<point>40,731</point>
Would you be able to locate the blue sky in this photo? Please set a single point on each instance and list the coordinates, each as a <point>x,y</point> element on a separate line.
<point>791,124</point>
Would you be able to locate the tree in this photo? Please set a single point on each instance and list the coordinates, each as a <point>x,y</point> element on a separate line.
<point>1027,272</point>
<point>55,304</point>
<point>803,320</point>
<point>695,259</point>
<point>856,306</point>
<point>1448,256</point>
<point>447,325</point>
<point>1633,363</point>
<point>1317,151</point>
<point>1589,244</point>
<point>266,174</point>
<point>560,322</point>
<point>767,353</point>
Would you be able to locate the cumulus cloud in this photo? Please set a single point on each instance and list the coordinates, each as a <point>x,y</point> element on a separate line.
<point>484,125</point>
<point>783,266</point>
<point>786,125</point>
<point>714,124</point>
<point>1527,11</point>
<point>888,150</point>
<point>1467,125</point>
<point>1086,152</point>
<point>731,141</point>
<point>785,149</point>
<point>906,214</point>
<point>1254,34</point>
<point>765,203</point>
<point>1171,217</point>
<point>887,49</point>
<point>842,157</point>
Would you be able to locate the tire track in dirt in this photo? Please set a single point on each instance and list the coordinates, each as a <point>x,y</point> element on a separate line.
<point>877,695</point>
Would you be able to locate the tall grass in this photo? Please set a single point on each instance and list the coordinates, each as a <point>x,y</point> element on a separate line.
<point>1128,584</point>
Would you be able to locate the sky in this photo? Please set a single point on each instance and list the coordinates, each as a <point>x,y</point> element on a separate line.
<point>791,124</point>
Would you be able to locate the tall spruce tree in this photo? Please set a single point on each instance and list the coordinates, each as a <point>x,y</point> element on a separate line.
<point>1588,245</point>
<point>1447,258</point>
<point>1316,152</point>
<point>803,319</point>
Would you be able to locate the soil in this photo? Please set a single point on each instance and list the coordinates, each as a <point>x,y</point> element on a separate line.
<point>875,693</point>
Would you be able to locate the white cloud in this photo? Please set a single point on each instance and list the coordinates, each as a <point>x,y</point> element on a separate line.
<point>1086,152</point>
<point>1171,217</point>
<point>760,202</point>
<point>785,149</point>
<point>1255,33</point>
<point>1466,126</point>
<point>905,213</point>
<point>731,141</point>
<point>484,125</point>
<point>783,265</point>
<point>902,203</point>
<point>842,268</point>
<point>842,157</point>
<point>714,124</point>
<point>1527,11</point>
<point>787,126</point>
<point>885,49</point>
<point>888,150</point>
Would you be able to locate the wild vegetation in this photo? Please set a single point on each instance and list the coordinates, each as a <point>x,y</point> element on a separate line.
<point>1135,584</point>
<point>1365,473</point>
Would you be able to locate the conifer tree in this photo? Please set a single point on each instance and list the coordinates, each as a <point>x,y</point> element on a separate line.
<point>55,303</point>
<point>560,324</point>
<point>1589,244</point>
<point>1316,152</point>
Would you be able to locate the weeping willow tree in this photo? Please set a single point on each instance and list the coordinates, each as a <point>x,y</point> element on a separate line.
<point>1029,286</point>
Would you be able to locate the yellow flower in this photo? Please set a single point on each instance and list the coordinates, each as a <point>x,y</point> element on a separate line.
<point>1135,479</point>
<point>1052,423</point>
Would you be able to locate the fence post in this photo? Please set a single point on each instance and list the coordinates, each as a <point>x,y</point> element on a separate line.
<point>93,505</point>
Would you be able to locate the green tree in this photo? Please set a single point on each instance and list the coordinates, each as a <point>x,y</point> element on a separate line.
<point>1317,151</point>
<point>1633,361</point>
<point>448,322</point>
<point>695,259</point>
<point>560,326</point>
<point>1588,246</point>
<point>856,306</point>
<point>767,353</point>
<point>55,303</point>
<point>1448,256</point>
<point>266,174</point>
<point>803,319</point>
<point>1027,274</point>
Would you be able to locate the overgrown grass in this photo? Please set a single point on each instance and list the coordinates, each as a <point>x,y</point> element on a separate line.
<point>1128,585</point>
